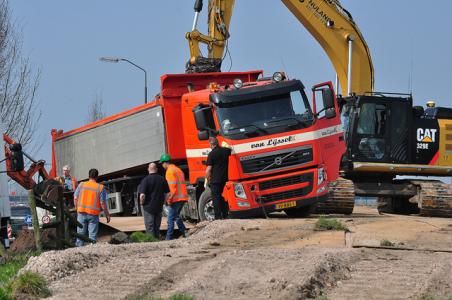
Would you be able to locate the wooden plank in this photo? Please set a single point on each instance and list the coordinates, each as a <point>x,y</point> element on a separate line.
<point>130,224</point>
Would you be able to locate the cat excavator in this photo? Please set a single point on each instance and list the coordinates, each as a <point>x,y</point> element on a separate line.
<point>386,136</point>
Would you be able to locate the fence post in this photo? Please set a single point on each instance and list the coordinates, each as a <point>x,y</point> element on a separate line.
<point>34,215</point>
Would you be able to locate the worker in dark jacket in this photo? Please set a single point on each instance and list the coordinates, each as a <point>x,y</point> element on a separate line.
<point>217,176</point>
<point>153,190</point>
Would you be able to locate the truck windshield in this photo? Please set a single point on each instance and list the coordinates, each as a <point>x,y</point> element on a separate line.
<point>264,116</point>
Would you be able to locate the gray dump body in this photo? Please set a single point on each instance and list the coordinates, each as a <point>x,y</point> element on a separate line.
<point>131,141</point>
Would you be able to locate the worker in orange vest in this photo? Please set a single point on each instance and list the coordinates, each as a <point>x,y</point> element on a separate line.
<point>90,198</point>
<point>177,196</point>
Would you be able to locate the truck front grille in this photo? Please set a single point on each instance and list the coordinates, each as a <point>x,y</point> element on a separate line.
<point>276,160</point>
<point>275,183</point>
<point>286,195</point>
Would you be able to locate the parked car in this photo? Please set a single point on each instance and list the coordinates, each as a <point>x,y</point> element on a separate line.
<point>19,212</point>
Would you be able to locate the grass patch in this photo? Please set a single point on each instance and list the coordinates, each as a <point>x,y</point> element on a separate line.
<point>324,223</point>
<point>141,237</point>
<point>388,243</point>
<point>30,283</point>
<point>9,270</point>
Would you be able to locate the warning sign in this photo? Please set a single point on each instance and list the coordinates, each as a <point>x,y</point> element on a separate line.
<point>46,219</point>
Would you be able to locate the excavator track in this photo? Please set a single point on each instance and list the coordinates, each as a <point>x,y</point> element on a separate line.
<point>341,198</point>
<point>434,198</point>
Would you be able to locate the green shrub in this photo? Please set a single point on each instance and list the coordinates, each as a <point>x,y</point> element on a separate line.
<point>324,223</point>
<point>30,283</point>
<point>386,243</point>
<point>141,237</point>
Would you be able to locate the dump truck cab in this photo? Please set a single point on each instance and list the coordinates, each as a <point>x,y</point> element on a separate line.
<point>283,147</point>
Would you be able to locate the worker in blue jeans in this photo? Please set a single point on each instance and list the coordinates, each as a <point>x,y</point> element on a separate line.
<point>177,196</point>
<point>90,199</point>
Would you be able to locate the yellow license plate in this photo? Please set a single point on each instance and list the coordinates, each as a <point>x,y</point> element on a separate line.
<point>285,205</point>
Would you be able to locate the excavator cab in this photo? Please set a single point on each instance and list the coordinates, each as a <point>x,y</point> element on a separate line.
<point>376,128</point>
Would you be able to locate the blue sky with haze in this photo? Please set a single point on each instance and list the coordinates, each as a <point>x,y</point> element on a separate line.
<point>65,39</point>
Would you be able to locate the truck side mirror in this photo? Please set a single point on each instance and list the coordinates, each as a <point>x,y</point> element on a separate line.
<point>328,98</point>
<point>203,117</point>
<point>330,113</point>
<point>203,135</point>
<point>17,157</point>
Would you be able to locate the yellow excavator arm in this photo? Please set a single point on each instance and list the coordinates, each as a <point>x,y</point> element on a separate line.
<point>333,27</point>
<point>326,20</point>
<point>219,18</point>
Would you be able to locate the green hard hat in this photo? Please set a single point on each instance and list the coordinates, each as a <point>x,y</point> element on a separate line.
<point>165,158</point>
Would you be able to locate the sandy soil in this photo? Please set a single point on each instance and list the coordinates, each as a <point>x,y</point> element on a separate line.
<point>277,258</point>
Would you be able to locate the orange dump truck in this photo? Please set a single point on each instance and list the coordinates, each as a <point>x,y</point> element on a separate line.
<point>284,147</point>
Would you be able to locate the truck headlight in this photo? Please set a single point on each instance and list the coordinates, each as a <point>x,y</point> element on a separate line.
<point>278,76</point>
<point>239,191</point>
<point>321,176</point>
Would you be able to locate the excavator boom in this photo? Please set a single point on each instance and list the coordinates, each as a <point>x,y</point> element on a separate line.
<point>334,29</point>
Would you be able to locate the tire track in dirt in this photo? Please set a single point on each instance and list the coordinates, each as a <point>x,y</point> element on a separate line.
<point>386,274</point>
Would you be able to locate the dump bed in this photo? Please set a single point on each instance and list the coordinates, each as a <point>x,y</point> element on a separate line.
<point>131,140</point>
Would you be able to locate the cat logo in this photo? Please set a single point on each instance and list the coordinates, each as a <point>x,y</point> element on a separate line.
<point>426,135</point>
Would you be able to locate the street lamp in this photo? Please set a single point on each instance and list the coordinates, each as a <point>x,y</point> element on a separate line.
<point>118,59</point>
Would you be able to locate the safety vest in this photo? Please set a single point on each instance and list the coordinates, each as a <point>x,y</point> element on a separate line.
<point>89,198</point>
<point>176,183</point>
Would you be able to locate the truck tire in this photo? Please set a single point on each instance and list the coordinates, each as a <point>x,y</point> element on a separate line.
<point>205,206</point>
<point>301,212</point>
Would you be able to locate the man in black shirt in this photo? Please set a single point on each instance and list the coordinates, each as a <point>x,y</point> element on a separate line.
<point>153,191</point>
<point>217,176</point>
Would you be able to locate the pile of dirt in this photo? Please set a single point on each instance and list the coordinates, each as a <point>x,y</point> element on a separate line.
<point>25,241</point>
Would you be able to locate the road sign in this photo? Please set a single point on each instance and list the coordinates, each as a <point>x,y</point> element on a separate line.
<point>46,219</point>
<point>28,220</point>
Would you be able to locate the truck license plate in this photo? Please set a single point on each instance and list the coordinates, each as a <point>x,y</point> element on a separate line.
<point>285,205</point>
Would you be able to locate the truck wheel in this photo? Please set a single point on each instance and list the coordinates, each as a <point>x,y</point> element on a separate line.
<point>205,206</point>
<point>301,212</point>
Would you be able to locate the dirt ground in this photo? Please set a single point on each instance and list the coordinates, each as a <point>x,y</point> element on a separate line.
<point>276,258</point>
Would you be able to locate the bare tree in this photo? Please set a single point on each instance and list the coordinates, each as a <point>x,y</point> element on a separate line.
<point>96,110</point>
<point>18,83</point>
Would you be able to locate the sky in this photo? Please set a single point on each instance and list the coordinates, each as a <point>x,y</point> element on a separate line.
<point>65,39</point>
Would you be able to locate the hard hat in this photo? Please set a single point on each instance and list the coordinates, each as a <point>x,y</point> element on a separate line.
<point>431,103</point>
<point>165,158</point>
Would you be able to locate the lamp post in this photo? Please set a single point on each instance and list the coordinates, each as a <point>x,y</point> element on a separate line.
<point>118,59</point>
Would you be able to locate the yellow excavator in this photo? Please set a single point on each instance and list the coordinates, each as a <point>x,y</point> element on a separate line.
<point>386,135</point>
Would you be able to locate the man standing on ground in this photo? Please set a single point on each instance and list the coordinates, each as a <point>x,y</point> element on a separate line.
<point>90,199</point>
<point>217,176</point>
<point>152,190</point>
<point>177,197</point>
